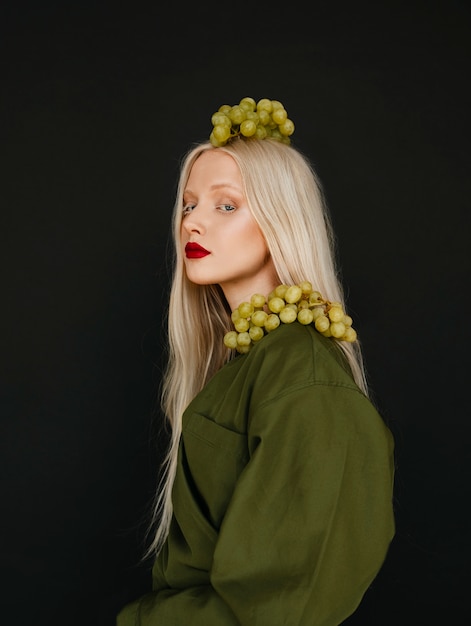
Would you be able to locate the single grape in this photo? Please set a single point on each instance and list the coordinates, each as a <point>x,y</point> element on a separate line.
<point>350,334</point>
<point>259,318</point>
<point>272,322</point>
<point>221,132</point>
<point>275,134</point>
<point>246,309</point>
<point>248,103</point>
<point>293,294</point>
<point>241,325</point>
<point>315,297</point>
<point>230,339</point>
<point>276,304</point>
<point>347,320</point>
<point>337,329</point>
<point>220,119</point>
<point>322,323</point>
<point>243,339</point>
<point>288,315</point>
<point>243,349</point>
<point>305,316</point>
<point>265,105</point>
<point>281,290</point>
<point>248,128</point>
<point>261,132</point>
<point>237,114</point>
<point>256,333</point>
<point>235,315</point>
<point>335,313</point>
<point>214,141</point>
<point>264,117</point>
<point>306,287</point>
<point>286,128</point>
<point>258,300</point>
<point>279,115</point>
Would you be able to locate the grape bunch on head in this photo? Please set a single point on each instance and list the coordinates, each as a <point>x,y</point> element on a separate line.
<point>260,120</point>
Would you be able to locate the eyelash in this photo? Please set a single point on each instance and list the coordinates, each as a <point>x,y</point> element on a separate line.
<point>187,209</point>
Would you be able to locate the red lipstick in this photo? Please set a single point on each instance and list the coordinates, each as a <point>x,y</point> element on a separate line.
<point>195,251</point>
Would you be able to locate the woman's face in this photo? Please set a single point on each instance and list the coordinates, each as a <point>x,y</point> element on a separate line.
<point>221,242</point>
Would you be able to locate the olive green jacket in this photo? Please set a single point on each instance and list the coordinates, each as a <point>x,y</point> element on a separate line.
<point>283,498</point>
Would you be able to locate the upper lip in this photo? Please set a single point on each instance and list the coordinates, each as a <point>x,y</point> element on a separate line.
<point>192,246</point>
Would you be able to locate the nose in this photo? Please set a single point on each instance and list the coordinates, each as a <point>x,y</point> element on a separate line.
<point>194,222</point>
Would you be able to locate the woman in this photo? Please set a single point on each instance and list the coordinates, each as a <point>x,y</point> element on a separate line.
<point>276,500</point>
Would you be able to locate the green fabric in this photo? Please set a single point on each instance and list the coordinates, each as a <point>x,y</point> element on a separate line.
<point>283,508</point>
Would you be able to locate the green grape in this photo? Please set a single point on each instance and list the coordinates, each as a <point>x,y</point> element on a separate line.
<point>248,103</point>
<point>243,339</point>
<point>337,329</point>
<point>288,315</point>
<point>276,304</point>
<point>258,300</point>
<point>235,315</point>
<point>335,313</point>
<point>275,134</point>
<point>281,290</point>
<point>286,128</point>
<point>248,128</point>
<point>347,320</point>
<point>317,311</point>
<point>306,287</point>
<point>246,309</point>
<point>243,349</point>
<point>224,108</point>
<point>272,322</point>
<point>303,304</point>
<point>214,141</point>
<point>293,294</point>
<point>230,339</point>
<point>264,117</point>
<point>322,323</point>
<point>256,333</point>
<point>305,316</point>
<point>279,115</point>
<point>237,114</point>
<point>276,104</point>
<point>261,132</point>
<point>252,115</point>
<point>315,297</point>
<point>350,334</point>
<point>220,119</point>
<point>221,132</point>
<point>265,105</point>
<point>259,318</point>
<point>241,325</point>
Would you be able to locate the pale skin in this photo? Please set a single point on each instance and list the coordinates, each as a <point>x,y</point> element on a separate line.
<point>216,216</point>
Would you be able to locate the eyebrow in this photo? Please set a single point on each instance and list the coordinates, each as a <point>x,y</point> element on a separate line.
<point>219,186</point>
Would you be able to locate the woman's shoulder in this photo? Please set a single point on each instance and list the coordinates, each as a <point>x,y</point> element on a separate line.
<point>299,354</point>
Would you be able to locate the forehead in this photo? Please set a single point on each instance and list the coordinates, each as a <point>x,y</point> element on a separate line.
<point>215,165</point>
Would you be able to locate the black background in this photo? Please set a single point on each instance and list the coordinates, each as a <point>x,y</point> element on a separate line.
<point>98,103</point>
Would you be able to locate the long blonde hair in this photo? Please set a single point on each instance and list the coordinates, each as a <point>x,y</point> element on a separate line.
<point>286,200</point>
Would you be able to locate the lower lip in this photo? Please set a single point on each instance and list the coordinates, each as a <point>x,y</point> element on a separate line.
<point>196,254</point>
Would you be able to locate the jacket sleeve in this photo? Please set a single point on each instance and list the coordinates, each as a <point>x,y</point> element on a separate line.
<point>308,525</point>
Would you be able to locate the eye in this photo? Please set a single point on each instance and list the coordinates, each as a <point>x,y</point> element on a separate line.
<point>187,209</point>
<point>226,208</point>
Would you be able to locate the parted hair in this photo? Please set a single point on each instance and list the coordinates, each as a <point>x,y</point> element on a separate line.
<point>286,199</point>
